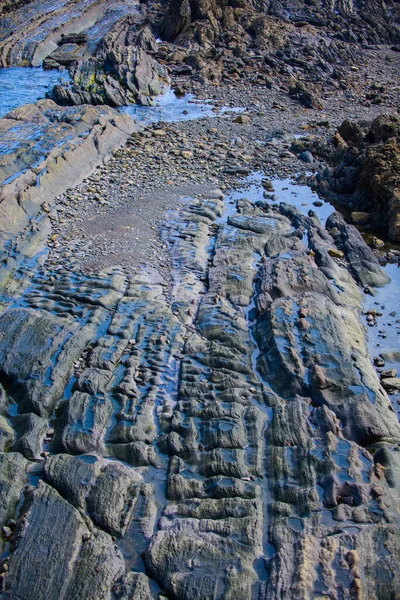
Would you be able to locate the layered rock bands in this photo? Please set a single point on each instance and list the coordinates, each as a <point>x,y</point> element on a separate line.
<point>223,437</point>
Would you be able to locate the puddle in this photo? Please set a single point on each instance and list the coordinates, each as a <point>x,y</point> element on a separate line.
<point>303,198</point>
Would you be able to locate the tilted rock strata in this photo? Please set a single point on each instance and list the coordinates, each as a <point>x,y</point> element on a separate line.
<point>106,45</point>
<point>122,72</point>
<point>63,143</point>
<point>233,432</point>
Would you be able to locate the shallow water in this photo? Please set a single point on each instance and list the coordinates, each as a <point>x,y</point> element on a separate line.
<point>170,108</point>
<point>26,85</point>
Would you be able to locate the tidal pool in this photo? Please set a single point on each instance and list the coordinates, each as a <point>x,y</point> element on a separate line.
<point>26,85</point>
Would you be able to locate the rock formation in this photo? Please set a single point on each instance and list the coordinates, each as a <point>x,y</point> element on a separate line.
<point>236,437</point>
<point>106,47</point>
<point>299,39</point>
<point>365,171</point>
<point>214,430</point>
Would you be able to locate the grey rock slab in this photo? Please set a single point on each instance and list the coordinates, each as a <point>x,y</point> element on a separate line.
<point>37,352</point>
<point>86,421</point>
<point>133,586</point>
<point>363,262</point>
<point>76,563</point>
<point>13,467</point>
<point>32,431</point>
<point>41,566</point>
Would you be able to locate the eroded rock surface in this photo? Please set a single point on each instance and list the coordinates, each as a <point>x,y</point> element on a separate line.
<point>365,161</point>
<point>107,47</point>
<point>221,436</point>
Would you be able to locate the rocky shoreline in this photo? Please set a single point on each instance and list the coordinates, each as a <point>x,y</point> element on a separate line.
<point>189,404</point>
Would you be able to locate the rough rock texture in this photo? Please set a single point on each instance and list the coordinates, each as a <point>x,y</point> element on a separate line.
<point>105,45</point>
<point>365,172</point>
<point>34,30</point>
<point>76,562</point>
<point>12,480</point>
<point>230,432</point>
<point>220,433</point>
<point>122,71</point>
<point>357,22</point>
<point>230,40</point>
<point>66,145</point>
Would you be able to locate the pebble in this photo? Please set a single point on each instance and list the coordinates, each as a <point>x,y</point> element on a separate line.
<point>335,253</point>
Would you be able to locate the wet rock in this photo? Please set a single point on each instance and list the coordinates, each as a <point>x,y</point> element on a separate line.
<point>29,343</point>
<point>391,384</point>
<point>32,430</point>
<point>121,73</point>
<point>85,423</point>
<point>77,146</point>
<point>12,480</point>
<point>133,586</point>
<point>107,490</point>
<point>362,260</point>
<point>81,565</point>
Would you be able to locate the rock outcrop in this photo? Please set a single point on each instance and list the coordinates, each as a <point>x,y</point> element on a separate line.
<point>365,171</point>
<point>47,149</point>
<point>233,435</point>
<point>122,72</point>
<point>269,39</point>
<point>220,433</point>
<point>106,47</point>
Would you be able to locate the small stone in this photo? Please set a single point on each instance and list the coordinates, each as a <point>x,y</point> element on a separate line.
<point>389,373</point>
<point>86,536</point>
<point>377,243</point>
<point>336,253</point>
<point>379,362</point>
<point>242,119</point>
<point>391,384</point>
<point>307,157</point>
<point>7,533</point>
<point>267,185</point>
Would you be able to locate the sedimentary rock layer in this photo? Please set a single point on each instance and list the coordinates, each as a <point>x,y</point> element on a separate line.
<point>222,437</point>
<point>106,45</point>
<point>46,149</point>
